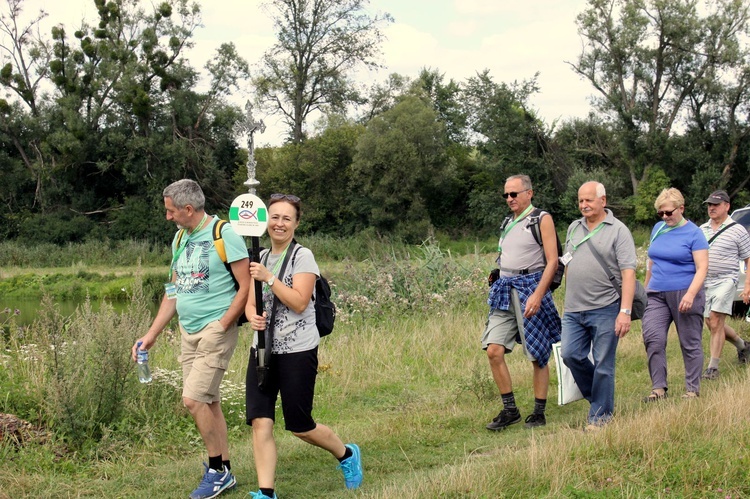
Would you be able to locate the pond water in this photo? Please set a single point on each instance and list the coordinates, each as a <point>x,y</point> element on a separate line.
<point>26,310</point>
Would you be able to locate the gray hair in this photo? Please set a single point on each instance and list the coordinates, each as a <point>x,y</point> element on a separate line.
<point>525,180</point>
<point>600,190</point>
<point>185,192</point>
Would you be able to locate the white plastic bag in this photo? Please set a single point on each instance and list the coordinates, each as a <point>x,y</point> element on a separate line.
<point>567,390</point>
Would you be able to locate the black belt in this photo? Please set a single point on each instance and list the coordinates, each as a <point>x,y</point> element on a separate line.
<point>522,271</point>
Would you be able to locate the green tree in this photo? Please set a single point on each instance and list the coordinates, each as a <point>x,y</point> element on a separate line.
<point>399,160</point>
<point>448,200</point>
<point>646,58</point>
<point>319,172</point>
<point>383,96</point>
<point>509,139</point>
<point>319,42</point>
<point>720,126</point>
<point>651,186</point>
<point>590,150</point>
<point>121,121</point>
<point>24,57</point>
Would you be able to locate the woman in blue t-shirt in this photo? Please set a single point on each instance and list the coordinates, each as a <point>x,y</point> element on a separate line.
<point>676,268</point>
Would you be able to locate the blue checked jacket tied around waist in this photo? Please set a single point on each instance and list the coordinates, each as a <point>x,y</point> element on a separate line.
<point>542,329</point>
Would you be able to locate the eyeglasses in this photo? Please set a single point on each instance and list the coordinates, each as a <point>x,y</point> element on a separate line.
<point>667,213</point>
<point>514,195</point>
<point>288,197</point>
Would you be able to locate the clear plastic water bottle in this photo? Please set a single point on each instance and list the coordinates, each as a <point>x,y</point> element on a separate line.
<point>144,373</point>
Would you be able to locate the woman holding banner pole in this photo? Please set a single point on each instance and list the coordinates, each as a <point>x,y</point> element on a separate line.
<point>288,272</point>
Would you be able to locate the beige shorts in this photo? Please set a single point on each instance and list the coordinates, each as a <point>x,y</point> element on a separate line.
<point>205,357</point>
<point>719,298</point>
<point>502,329</point>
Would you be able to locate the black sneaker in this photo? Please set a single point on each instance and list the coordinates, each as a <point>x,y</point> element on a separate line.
<point>533,420</point>
<point>743,354</point>
<point>504,419</point>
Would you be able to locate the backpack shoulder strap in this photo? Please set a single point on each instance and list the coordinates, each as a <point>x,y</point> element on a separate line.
<point>719,233</point>
<point>534,222</point>
<point>505,223</point>
<point>219,240</point>
<point>297,246</point>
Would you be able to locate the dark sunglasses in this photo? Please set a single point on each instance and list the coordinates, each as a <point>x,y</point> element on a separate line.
<point>514,195</point>
<point>667,213</point>
<point>287,197</point>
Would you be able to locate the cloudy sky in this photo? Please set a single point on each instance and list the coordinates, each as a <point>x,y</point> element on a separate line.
<point>513,39</point>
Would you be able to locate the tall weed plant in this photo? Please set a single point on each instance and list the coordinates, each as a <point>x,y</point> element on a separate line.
<point>425,280</point>
<point>75,376</point>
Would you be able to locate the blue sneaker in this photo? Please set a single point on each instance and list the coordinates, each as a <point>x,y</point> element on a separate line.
<point>213,483</point>
<point>261,495</point>
<point>352,468</point>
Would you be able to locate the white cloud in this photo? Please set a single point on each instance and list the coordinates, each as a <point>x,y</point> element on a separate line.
<point>407,47</point>
<point>462,28</point>
<point>485,7</point>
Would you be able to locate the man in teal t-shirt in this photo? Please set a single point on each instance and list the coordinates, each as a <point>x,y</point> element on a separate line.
<point>202,292</point>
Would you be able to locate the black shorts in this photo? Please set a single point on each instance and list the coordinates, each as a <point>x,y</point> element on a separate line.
<point>292,375</point>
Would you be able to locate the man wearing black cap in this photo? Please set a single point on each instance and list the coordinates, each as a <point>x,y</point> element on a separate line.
<point>728,243</point>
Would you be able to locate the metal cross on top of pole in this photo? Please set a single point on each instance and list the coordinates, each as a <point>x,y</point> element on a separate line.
<point>249,126</point>
<point>249,217</point>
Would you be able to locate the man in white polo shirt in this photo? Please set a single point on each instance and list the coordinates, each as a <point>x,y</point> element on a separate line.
<point>729,243</point>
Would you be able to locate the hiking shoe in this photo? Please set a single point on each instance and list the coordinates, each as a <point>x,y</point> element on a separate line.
<point>261,495</point>
<point>213,483</point>
<point>710,373</point>
<point>504,419</point>
<point>352,468</point>
<point>743,354</point>
<point>533,420</point>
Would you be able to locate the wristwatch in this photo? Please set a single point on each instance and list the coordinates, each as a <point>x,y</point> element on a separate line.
<point>625,311</point>
<point>271,281</point>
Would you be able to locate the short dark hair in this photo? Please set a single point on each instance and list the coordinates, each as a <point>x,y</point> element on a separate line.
<point>287,198</point>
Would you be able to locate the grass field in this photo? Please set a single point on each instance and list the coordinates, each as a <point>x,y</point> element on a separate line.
<point>412,387</point>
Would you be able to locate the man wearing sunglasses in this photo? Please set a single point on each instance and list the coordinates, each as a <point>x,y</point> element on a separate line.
<point>521,306</point>
<point>728,243</point>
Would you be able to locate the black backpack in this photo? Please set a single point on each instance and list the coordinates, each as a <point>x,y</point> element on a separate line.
<point>325,310</point>
<point>534,219</point>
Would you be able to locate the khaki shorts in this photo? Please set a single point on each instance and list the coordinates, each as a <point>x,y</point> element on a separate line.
<point>205,357</point>
<point>719,298</point>
<point>502,329</point>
